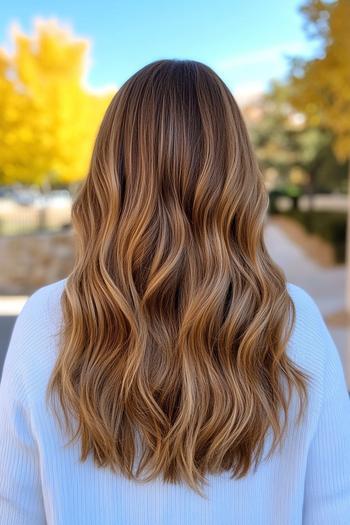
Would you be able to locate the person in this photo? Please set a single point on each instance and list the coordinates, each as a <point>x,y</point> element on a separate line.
<point>174,376</point>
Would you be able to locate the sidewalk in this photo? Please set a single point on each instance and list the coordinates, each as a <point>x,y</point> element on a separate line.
<point>325,285</point>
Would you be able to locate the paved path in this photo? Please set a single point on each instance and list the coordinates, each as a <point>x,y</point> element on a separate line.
<point>325,285</point>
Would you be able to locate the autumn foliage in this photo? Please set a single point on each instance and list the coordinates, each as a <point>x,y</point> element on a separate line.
<point>48,117</point>
<point>322,85</point>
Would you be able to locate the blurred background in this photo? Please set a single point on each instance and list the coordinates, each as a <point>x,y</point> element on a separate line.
<point>288,66</point>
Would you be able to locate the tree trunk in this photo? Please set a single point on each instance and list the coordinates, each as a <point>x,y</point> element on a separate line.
<point>45,190</point>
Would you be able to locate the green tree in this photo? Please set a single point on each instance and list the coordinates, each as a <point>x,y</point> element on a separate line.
<point>299,153</point>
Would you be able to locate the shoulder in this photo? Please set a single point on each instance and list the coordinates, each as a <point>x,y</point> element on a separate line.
<point>40,308</point>
<point>43,302</point>
<point>311,344</point>
<point>39,314</point>
<point>309,325</point>
<point>304,301</point>
<point>31,350</point>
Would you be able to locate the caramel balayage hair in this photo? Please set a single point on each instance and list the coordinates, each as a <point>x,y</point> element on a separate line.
<point>175,318</point>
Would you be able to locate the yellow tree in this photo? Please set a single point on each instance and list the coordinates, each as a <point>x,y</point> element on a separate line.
<point>322,88</point>
<point>322,85</point>
<point>48,119</point>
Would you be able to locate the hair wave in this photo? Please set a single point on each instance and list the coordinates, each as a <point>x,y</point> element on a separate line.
<point>175,318</point>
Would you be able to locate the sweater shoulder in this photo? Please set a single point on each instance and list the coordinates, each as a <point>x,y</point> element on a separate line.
<point>40,316</point>
<point>41,303</point>
<point>309,319</point>
<point>309,333</point>
<point>44,299</point>
<point>32,347</point>
<point>311,345</point>
<point>303,300</point>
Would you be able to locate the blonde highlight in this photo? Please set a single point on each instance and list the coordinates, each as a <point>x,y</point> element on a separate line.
<point>175,318</point>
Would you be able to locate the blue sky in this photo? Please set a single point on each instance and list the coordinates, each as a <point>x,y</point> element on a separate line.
<point>244,41</point>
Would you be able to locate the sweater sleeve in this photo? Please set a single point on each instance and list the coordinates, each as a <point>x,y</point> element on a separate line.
<point>327,484</point>
<point>21,501</point>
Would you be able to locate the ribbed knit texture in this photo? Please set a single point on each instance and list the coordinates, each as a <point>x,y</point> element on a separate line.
<point>307,481</point>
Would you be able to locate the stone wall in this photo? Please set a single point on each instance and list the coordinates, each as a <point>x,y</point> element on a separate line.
<point>30,261</point>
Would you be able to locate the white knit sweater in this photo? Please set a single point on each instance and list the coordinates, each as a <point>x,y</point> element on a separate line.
<point>41,481</point>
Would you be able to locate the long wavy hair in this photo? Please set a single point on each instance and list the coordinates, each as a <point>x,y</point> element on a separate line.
<point>175,318</point>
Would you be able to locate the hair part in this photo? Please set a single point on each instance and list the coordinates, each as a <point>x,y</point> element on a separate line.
<point>175,318</point>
